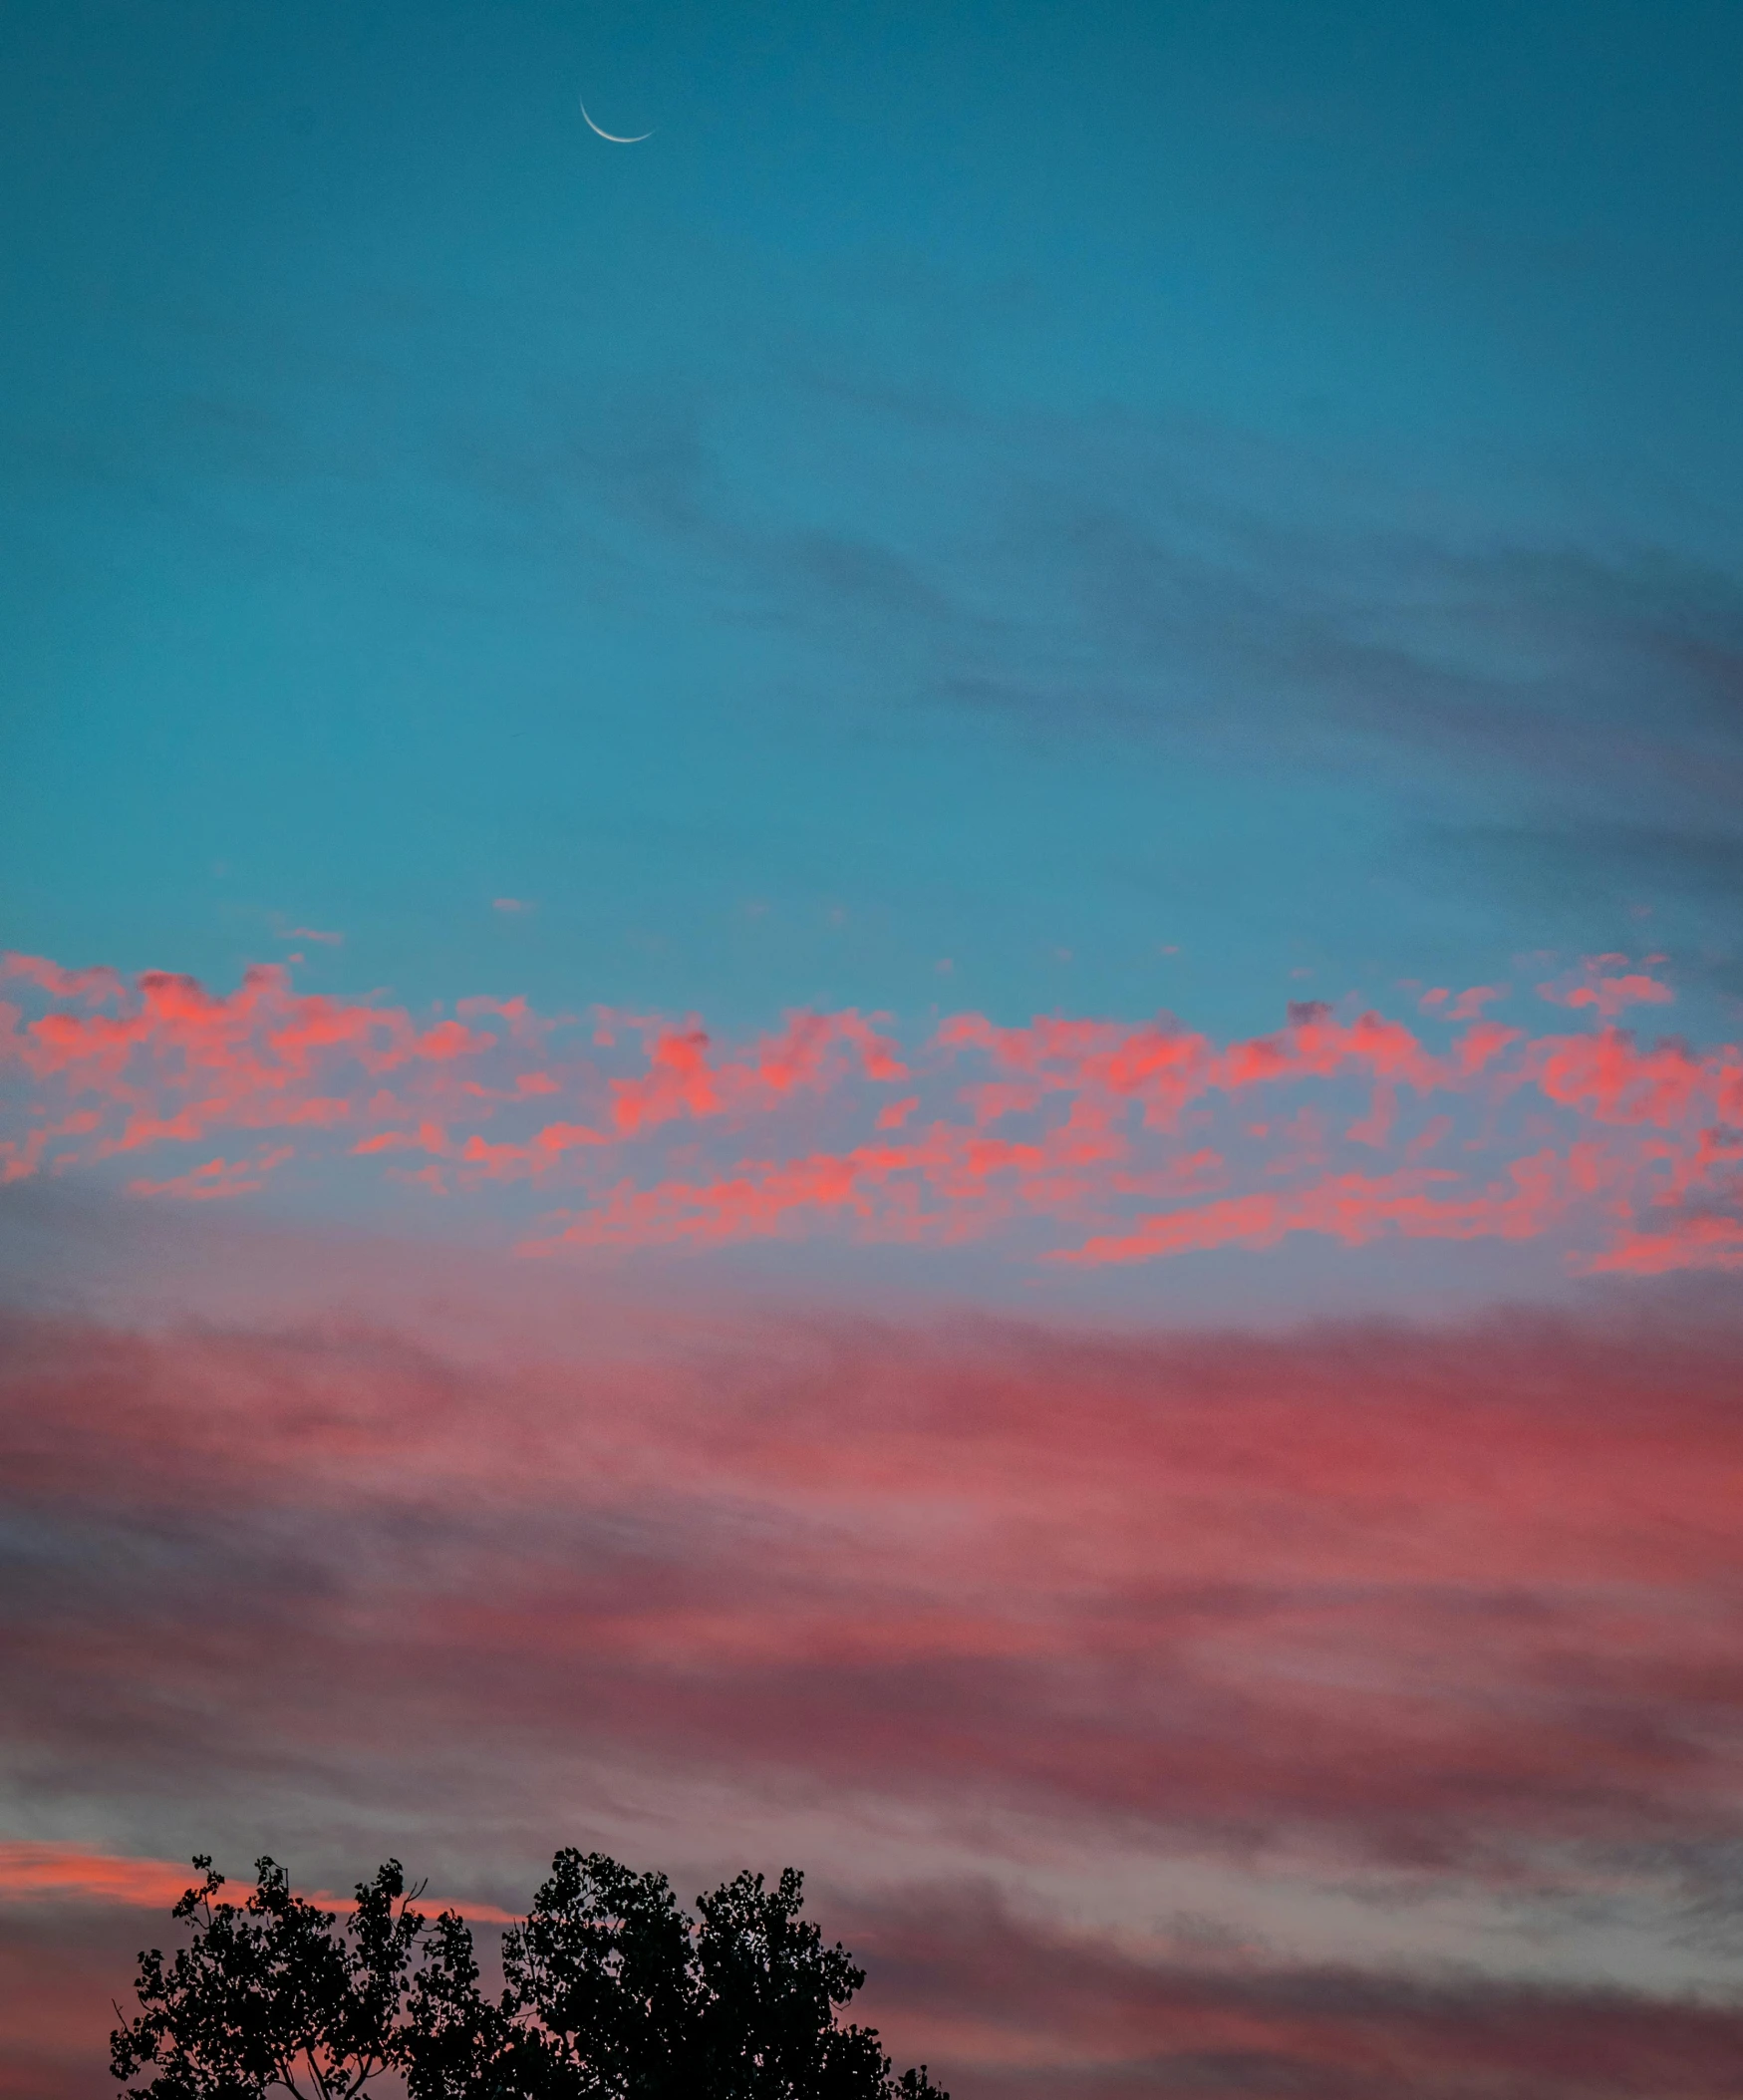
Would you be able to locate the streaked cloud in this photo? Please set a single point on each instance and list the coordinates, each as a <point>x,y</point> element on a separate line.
<point>1350,1705</point>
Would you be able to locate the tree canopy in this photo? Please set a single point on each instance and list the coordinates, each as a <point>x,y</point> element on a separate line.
<point>610,1992</point>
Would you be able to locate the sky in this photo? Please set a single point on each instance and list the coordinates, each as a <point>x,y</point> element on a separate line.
<point>871,998</point>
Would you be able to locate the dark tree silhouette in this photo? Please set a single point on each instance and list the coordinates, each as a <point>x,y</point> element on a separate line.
<point>769,1992</point>
<point>602,1981</point>
<point>610,1992</point>
<point>270,1994</point>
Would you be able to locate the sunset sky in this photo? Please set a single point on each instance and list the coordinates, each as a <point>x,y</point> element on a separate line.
<point>872,998</point>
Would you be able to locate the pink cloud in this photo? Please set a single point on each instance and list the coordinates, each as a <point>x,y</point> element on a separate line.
<point>1607,995</point>
<point>96,984</point>
<point>451,1039</point>
<point>1699,1241</point>
<point>1018,1638</point>
<point>1355,1589</point>
<point>1355,1208</point>
<point>1376,1127</point>
<point>217,1178</point>
<point>1610,1078</point>
<point>672,1134</point>
<point>1467,1005</point>
<point>678,1082</point>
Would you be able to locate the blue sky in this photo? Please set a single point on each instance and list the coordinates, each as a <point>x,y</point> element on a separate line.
<point>977,484</point>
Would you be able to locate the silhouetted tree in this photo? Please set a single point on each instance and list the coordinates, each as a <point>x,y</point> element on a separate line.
<point>603,1978</point>
<point>769,1992</point>
<point>458,2043</point>
<point>610,1992</point>
<point>270,1994</point>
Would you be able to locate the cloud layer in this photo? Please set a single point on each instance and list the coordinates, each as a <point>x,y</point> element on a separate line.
<point>1349,1712</point>
<point>1078,1140</point>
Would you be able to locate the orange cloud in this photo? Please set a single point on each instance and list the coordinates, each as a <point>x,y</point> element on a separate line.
<point>30,1870</point>
<point>35,1872</point>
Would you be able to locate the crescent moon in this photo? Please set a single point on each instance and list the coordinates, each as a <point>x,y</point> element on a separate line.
<point>612,137</point>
